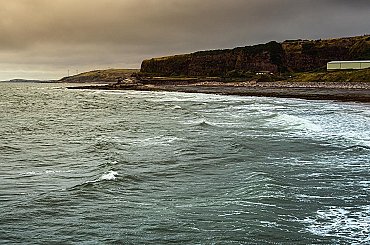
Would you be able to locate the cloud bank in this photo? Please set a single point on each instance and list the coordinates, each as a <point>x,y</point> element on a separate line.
<point>53,36</point>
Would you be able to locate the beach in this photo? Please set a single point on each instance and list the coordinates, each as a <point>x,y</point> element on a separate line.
<point>339,91</point>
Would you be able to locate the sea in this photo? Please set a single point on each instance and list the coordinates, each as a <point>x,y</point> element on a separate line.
<point>134,167</point>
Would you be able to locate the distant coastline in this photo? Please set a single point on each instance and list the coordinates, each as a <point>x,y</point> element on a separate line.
<point>291,69</point>
<point>339,85</point>
<point>28,81</point>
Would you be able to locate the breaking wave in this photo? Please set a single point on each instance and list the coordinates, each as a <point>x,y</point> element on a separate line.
<point>108,176</point>
<point>286,121</point>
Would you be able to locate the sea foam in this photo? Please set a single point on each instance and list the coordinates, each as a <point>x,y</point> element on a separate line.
<point>111,175</point>
<point>349,223</point>
<point>295,122</point>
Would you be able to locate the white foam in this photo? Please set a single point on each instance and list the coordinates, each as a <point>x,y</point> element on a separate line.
<point>346,127</point>
<point>31,173</point>
<point>46,172</point>
<point>294,122</point>
<point>343,223</point>
<point>111,175</point>
<point>195,97</point>
<point>150,141</point>
<point>159,140</point>
<point>365,183</point>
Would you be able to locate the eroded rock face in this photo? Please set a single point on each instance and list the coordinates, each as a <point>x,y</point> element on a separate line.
<point>304,55</point>
<point>294,56</point>
<point>263,57</point>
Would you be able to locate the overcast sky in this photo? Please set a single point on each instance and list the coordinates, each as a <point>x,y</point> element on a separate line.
<point>44,39</point>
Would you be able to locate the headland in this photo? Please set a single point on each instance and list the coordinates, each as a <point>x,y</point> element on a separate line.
<point>291,69</point>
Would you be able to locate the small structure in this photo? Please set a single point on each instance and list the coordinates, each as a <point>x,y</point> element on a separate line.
<point>264,73</point>
<point>348,65</point>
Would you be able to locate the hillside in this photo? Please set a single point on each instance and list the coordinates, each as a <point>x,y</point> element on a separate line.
<point>100,76</point>
<point>288,56</point>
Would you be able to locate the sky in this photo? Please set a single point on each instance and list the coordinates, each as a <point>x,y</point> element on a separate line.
<point>49,39</point>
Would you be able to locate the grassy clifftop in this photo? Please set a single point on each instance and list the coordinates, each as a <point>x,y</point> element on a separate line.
<point>100,76</point>
<point>333,76</point>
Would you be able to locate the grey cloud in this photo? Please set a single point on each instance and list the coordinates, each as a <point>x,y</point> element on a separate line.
<point>123,32</point>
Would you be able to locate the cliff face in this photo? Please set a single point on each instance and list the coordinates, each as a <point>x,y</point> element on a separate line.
<point>314,54</point>
<point>296,55</point>
<point>263,57</point>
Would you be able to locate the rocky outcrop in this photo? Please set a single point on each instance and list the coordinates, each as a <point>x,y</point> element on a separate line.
<point>293,56</point>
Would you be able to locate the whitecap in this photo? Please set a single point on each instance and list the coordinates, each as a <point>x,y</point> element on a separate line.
<point>159,140</point>
<point>364,183</point>
<point>111,175</point>
<point>30,173</point>
<point>46,172</point>
<point>294,122</point>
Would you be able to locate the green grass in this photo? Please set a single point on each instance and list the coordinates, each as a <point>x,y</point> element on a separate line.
<point>110,75</point>
<point>332,76</point>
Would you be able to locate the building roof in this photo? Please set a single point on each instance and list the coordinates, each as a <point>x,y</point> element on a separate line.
<point>349,61</point>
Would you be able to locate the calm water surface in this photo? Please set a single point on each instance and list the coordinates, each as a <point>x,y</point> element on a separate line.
<point>128,167</point>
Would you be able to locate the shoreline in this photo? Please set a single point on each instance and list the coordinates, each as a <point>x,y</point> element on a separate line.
<point>338,91</point>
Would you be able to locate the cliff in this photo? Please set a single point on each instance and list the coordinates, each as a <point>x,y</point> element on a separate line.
<point>291,55</point>
<point>310,55</point>
<point>262,57</point>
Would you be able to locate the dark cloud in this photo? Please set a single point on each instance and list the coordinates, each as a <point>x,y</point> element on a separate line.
<point>44,34</point>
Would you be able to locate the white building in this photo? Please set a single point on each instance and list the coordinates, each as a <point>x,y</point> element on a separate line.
<point>348,65</point>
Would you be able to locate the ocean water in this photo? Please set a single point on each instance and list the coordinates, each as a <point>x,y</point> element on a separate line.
<point>129,167</point>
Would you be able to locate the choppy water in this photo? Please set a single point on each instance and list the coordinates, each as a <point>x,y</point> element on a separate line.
<point>93,167</point>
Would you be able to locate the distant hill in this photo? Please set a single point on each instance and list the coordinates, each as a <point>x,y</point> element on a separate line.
<point>28,81</point>
<point>288,56</point>
<point>100,76</point>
